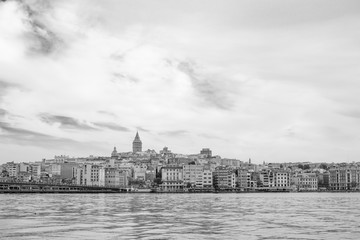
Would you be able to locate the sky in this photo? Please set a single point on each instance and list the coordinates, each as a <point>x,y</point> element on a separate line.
<point>274,81</point>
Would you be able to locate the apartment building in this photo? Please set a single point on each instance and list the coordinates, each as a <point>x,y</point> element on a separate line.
<point>90,175</point>
<point>207,179</point>
<point>172,178</point>
<point>193,175</point>
<point>306,182</point>
<point>224,178</point>
<point>344,177</point>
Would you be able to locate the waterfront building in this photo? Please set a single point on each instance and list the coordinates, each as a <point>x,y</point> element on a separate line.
<point>243,179</point>
<point>267,178</point>
<point>112,177</point>
<point>12,169</point>
<point>29,170</point>
<point>224,178</point>
<point>35,170</point>
<point>323,180</point>
<point>80,172</point>
<point>193,175</point>
<point>344,177</point>
<point>282,179</point>
<point>274,178</point>
<point>123,178</point>
<point>137,144</point>
<point>68,170</point>
<point>246,180</point>
<point>252,184</point>
<point>306,182</point>
<point>172,178</point>
<point>90,175</point>
<point>207,179</point>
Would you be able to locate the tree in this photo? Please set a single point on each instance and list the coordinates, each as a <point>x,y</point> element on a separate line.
<point>306,166</point>
<point>300,166</point>
<point>324,166</point>
<point>157,181</point>
<point>4,173</point>
<point>259,183</point>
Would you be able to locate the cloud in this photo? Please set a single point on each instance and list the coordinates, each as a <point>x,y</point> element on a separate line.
<point>6,86</point>
<point>174,133</point>
<point>210,136</point>
<point>3,112</point>
<point>129,78</point>
<point>350,113</point>
<point>107,113</point>
<point>22,136</point>
<point>207,87</point>
<point>142,129</point>
<point>65,122</point>
<point>31,141</point>
<point>111,126</point>
<point>40,38</point>
<point>29,28</point>
<point>3,88</point>
<point>72,123</point>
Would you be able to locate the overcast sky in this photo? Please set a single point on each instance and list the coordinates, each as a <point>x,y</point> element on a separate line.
<point>274,81</point>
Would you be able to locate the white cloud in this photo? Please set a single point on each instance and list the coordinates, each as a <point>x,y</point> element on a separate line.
<point>192,79</point>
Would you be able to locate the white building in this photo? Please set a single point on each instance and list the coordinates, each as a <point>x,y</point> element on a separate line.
<point>282,179</point>
<point>306,182</point>
<point>172,178</point>
<point>207,179</point>
<point>90,175</point>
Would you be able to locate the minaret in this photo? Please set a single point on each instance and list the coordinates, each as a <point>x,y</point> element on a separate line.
<point>137,144</point>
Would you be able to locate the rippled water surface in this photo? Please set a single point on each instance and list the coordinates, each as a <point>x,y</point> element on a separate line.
<point>180,216</point>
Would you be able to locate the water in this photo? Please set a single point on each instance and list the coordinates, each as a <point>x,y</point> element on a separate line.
<point>180,216</point>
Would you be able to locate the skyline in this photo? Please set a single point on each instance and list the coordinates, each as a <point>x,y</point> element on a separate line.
<point>271,81</point>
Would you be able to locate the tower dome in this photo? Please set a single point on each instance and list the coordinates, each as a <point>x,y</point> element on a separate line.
<point>114,153</point>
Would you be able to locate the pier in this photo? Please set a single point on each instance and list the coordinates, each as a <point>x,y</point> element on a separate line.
<point>28,187</point>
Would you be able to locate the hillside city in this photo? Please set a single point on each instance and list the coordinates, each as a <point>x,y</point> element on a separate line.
<point>170,172</point>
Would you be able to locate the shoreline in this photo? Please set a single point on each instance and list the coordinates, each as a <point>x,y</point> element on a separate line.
<point>160,192</point>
